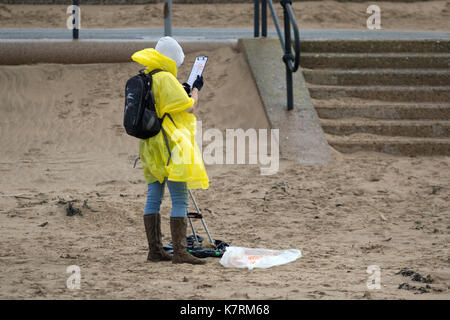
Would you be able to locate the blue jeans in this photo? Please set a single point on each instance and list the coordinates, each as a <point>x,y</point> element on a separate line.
<point>178,193</point>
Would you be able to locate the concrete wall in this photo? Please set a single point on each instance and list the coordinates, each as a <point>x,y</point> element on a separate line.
<point>15,52</point>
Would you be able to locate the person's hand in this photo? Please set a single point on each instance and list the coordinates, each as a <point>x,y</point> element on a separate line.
<point>198,83</point>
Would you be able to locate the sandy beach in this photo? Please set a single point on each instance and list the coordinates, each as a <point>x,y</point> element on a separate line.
<point>63,140</point>
<point>427,15</point>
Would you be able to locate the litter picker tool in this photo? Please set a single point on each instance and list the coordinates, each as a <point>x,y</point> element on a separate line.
<point>197,245</point>
<point>198,215</point>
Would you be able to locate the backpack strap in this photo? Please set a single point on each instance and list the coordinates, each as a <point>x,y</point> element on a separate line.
<point>142,71</point>
<point>166,140</point>
<point>151,73</point>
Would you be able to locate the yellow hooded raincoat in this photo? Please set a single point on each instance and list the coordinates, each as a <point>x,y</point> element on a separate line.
<point>186,163</point>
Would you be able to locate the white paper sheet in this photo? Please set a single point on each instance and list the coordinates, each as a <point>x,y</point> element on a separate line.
<point>197,69</point>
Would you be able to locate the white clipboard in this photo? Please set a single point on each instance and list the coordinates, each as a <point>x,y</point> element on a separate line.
<point>197,69</point>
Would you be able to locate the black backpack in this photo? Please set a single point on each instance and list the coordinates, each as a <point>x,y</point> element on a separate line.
<point>140,118</point>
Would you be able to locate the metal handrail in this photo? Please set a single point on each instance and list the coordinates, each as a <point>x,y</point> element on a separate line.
<point>292,21</point>
<point>276,22</point>
<point>292,61</point>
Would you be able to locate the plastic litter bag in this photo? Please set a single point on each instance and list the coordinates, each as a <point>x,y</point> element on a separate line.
<point>240,257</point>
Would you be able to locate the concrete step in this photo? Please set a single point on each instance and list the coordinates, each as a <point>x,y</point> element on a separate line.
<point>374,46</point>
<point>301,137</point>
<point>375,60</point>
<point>383,93</point>
<point>392,111</point>
<point>392,145</point>
<point>409,128</point>
<point>430,77</point>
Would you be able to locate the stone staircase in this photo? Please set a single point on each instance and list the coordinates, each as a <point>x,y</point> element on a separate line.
<point>388,96</point>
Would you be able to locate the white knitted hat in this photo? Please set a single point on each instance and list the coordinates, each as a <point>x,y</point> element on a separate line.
<point>170,48</point>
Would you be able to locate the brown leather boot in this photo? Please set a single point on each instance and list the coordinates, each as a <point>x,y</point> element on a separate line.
<point>156,252</point>
<point>180,254</point>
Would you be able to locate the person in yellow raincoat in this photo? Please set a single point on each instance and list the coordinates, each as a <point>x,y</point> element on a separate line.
<point>181,167</point>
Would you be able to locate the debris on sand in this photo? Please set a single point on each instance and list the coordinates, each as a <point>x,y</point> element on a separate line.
<point>43,224</point>
<point>60,201</point>
<point>406,272</point>
<point>435,189</point>
<point>407,286</point>
<point>417,277</point>
<point>69,256</point>
<point>71,210</point>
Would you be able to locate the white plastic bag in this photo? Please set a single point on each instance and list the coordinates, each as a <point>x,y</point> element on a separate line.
<point>240,257</point>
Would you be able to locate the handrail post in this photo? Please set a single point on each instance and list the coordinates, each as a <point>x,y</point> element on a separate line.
<point>168,18</point>
<point>256,16</point>
<point>264,18</point>
<point>76,18</point>
<point>288,54</point>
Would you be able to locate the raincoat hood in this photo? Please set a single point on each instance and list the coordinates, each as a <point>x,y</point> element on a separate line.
<point>152,59</point>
